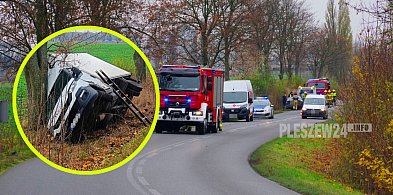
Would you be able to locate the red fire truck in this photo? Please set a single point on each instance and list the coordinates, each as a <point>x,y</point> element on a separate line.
<point>320,84</point>
<point>190,96</point>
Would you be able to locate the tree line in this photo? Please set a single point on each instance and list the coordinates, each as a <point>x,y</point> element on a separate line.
<point>236,35</point>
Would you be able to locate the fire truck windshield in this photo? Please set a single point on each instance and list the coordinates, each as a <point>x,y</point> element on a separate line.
<point>319,85</point>
<point>179,83</point>
<point>235,97</point>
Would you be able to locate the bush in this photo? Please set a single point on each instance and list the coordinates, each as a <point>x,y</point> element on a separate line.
<point>368,98</point>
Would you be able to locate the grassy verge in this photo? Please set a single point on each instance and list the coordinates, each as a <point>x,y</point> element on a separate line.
<point>8,160</point>
<point>294,163</point>
<point>12,148</point>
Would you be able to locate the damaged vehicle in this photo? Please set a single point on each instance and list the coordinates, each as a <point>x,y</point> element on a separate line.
<point>79,100</point>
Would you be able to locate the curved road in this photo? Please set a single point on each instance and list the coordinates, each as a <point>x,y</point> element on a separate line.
<point>169,164</point>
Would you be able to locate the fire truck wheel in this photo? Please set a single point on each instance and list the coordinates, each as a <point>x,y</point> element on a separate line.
<point>202,127</point>
<point>214,128</point>
<point>158,128</point>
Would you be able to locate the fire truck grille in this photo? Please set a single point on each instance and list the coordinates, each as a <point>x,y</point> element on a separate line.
<point>177,104</point>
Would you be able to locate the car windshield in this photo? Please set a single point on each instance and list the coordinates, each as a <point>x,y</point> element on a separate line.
<point>314,101</point>
<point>318,85</point>
<point>309,91</point>
<point>179,83</point>
<point>235,97</point>
<point>262,103</point>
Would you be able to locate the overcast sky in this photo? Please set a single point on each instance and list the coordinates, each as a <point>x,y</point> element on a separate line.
<point>318,7</point>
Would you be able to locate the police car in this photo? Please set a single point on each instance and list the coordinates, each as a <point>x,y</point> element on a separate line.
<point>263,107</point>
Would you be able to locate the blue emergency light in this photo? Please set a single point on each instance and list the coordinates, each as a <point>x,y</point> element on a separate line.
<point>188,100</point>
<point>165,99</point>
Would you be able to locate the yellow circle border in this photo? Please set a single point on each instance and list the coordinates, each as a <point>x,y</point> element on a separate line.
<point>15,111</point>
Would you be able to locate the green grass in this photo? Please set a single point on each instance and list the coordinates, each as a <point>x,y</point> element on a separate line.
<point>286,161</point>
<point>118,54</point>
<point>12,148</point>
<point>8,160</point>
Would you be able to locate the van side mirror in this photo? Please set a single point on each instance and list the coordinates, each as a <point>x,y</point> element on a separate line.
<point>272,105</point>
<point>250,100</point>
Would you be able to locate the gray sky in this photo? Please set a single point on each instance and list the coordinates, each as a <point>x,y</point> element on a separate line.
<point>318,7</point>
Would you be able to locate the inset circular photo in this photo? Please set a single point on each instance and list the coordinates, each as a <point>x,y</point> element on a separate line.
<point>85,100</point>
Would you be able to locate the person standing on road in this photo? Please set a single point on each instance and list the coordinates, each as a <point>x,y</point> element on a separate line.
<point>295,100</point>
<point>284,101</point>
<point>329,98</point>
<point>334,97</point>
<point>290,94</point>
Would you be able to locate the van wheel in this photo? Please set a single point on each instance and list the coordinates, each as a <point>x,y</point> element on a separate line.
<point>201,127</point>
<point>248,118</point>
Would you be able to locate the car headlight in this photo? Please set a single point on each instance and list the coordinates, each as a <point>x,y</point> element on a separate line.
<point>267,109</point>
<point>197,113</point>
<point>243,106</point>
<point>304,109</point>
<point>322,109</point>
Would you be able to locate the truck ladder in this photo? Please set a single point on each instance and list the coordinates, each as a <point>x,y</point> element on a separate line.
<point>124,98</point>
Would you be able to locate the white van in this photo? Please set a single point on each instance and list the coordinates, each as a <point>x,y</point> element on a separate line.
<point>314,106</point>
<point>238,100</point>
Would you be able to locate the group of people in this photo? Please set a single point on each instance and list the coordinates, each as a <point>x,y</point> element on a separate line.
<point>330,97</point>
<point>329,94</point>
<point>295,98</point>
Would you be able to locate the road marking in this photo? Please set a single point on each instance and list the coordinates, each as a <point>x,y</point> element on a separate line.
<point>177,145</point>
<point>151,155</point>
<point>154,192</point>
<point>139,170</point>
<point>142,162</point>
<point>165,149</point>
<point>143,181</point>
<point>143,157</point>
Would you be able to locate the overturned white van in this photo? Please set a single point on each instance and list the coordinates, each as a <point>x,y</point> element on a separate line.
<point>79,100</point>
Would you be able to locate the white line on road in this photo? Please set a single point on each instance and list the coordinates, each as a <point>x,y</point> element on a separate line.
<point>151,155</point>
<point>143,181</point>
<point>139,170</point>
<point>177,145</point>
<point>154,192</point>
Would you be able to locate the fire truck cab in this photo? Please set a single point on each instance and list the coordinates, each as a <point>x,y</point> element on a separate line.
<point>190,96</point>
<point>321,84</point>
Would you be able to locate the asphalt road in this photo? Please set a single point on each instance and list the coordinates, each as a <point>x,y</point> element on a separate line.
<point>169,164</point>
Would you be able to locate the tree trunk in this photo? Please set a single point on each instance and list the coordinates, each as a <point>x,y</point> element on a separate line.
<point>36,73</point>
<point>140,67</point>
<point>204,54</point>
<point>226,58</point>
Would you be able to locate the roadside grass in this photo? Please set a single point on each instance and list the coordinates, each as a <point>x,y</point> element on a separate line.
<point>8,160</point>
<point>12,148</point>
<point>296,164</point>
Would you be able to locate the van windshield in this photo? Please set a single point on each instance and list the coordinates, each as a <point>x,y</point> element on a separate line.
<point>179,83</point>
<point>314,101</point>
<point>235,97</point>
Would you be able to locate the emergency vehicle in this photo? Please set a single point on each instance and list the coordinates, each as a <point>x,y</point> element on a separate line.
<point>321,84</point>
<point>190,96</point>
